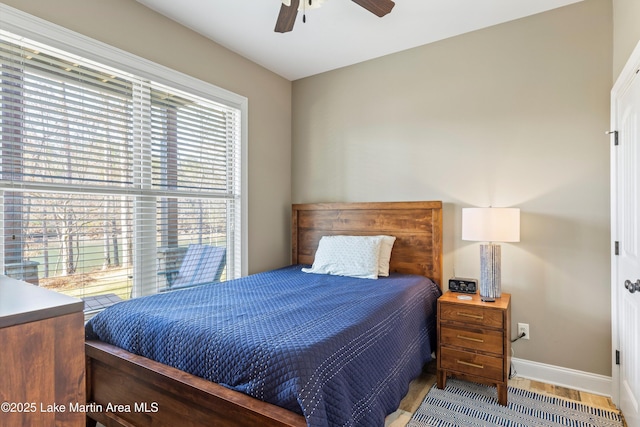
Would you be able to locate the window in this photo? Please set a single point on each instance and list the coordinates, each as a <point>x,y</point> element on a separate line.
<point>108,176</point>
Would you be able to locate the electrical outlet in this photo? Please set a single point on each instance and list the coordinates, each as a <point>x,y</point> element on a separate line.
<point>523,328</point>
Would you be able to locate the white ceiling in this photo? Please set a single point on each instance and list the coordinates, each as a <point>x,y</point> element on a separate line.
<point>340,32</point>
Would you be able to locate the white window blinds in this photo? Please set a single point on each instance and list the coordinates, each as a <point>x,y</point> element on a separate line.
<point>108,178</point>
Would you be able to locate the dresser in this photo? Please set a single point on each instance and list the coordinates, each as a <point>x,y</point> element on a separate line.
<point>474,341</point>
<point>42,379</point>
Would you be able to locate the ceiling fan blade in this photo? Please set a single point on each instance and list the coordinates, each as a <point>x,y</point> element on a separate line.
<point>377,7</point>
<point>287,17</point>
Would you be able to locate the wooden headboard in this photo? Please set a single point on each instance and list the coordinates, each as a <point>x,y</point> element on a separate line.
<point>416,225</point>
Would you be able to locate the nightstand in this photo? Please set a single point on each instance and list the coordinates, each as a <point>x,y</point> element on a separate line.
<point>474,341</point>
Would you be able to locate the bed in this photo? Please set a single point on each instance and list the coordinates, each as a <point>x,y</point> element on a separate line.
<point>154,393</point>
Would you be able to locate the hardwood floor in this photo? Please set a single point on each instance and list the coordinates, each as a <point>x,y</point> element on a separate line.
<point>419,388</point>
<point>566,393</point>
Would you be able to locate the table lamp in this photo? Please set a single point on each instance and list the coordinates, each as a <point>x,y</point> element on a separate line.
<point>490,225</point>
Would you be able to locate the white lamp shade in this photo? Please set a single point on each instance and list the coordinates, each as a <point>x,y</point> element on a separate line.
<point>491,224</point>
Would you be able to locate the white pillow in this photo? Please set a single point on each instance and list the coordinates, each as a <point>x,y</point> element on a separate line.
<point>355,256</point>
<point>385,255</point>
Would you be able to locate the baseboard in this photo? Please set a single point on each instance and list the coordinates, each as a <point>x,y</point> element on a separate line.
<point>571,378</point>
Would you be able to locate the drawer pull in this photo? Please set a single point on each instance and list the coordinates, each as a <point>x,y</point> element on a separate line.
<point>473,316</point>
<point>462,337</point>
<point>473,365</point>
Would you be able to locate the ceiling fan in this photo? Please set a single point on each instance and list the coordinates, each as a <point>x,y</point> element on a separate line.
<point>288,13</point>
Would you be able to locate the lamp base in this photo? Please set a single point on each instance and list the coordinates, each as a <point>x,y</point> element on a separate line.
<point>490,284</point>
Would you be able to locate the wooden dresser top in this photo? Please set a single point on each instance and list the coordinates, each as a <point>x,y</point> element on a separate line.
<point>22,302</point>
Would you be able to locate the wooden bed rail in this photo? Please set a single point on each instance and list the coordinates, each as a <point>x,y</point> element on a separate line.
<point>127,390</point>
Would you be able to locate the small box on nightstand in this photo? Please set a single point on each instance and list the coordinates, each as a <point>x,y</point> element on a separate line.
<point>465,286</point>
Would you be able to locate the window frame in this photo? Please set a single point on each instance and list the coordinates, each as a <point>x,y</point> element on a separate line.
<point>55,36</point>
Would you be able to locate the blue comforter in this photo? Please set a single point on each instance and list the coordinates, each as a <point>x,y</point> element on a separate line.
<point>341,351</point>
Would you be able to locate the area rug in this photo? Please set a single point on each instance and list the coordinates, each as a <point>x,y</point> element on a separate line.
<point>463,404</point>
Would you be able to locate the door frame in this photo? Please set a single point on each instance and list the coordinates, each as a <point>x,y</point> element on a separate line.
<point>622,83</point>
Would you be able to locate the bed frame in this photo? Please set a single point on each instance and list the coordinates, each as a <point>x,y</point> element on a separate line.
<point>151,393</point>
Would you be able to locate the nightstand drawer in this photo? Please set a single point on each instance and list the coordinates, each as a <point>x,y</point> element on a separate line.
<point>489,341</point>
<point>472,363</point>
<point>471,315</point>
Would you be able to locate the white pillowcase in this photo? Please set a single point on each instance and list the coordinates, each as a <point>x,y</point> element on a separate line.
<point>355,256</point>
<point>385,255</point>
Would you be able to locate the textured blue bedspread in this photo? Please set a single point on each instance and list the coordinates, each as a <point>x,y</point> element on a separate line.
<point>339,350</point>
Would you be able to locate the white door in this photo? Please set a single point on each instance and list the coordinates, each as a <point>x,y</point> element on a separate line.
<point>625,174</point>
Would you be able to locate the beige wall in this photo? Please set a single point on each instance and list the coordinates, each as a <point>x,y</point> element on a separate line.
<point>513,115</point>
<point>626,31</point>
<point>130,26</point>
